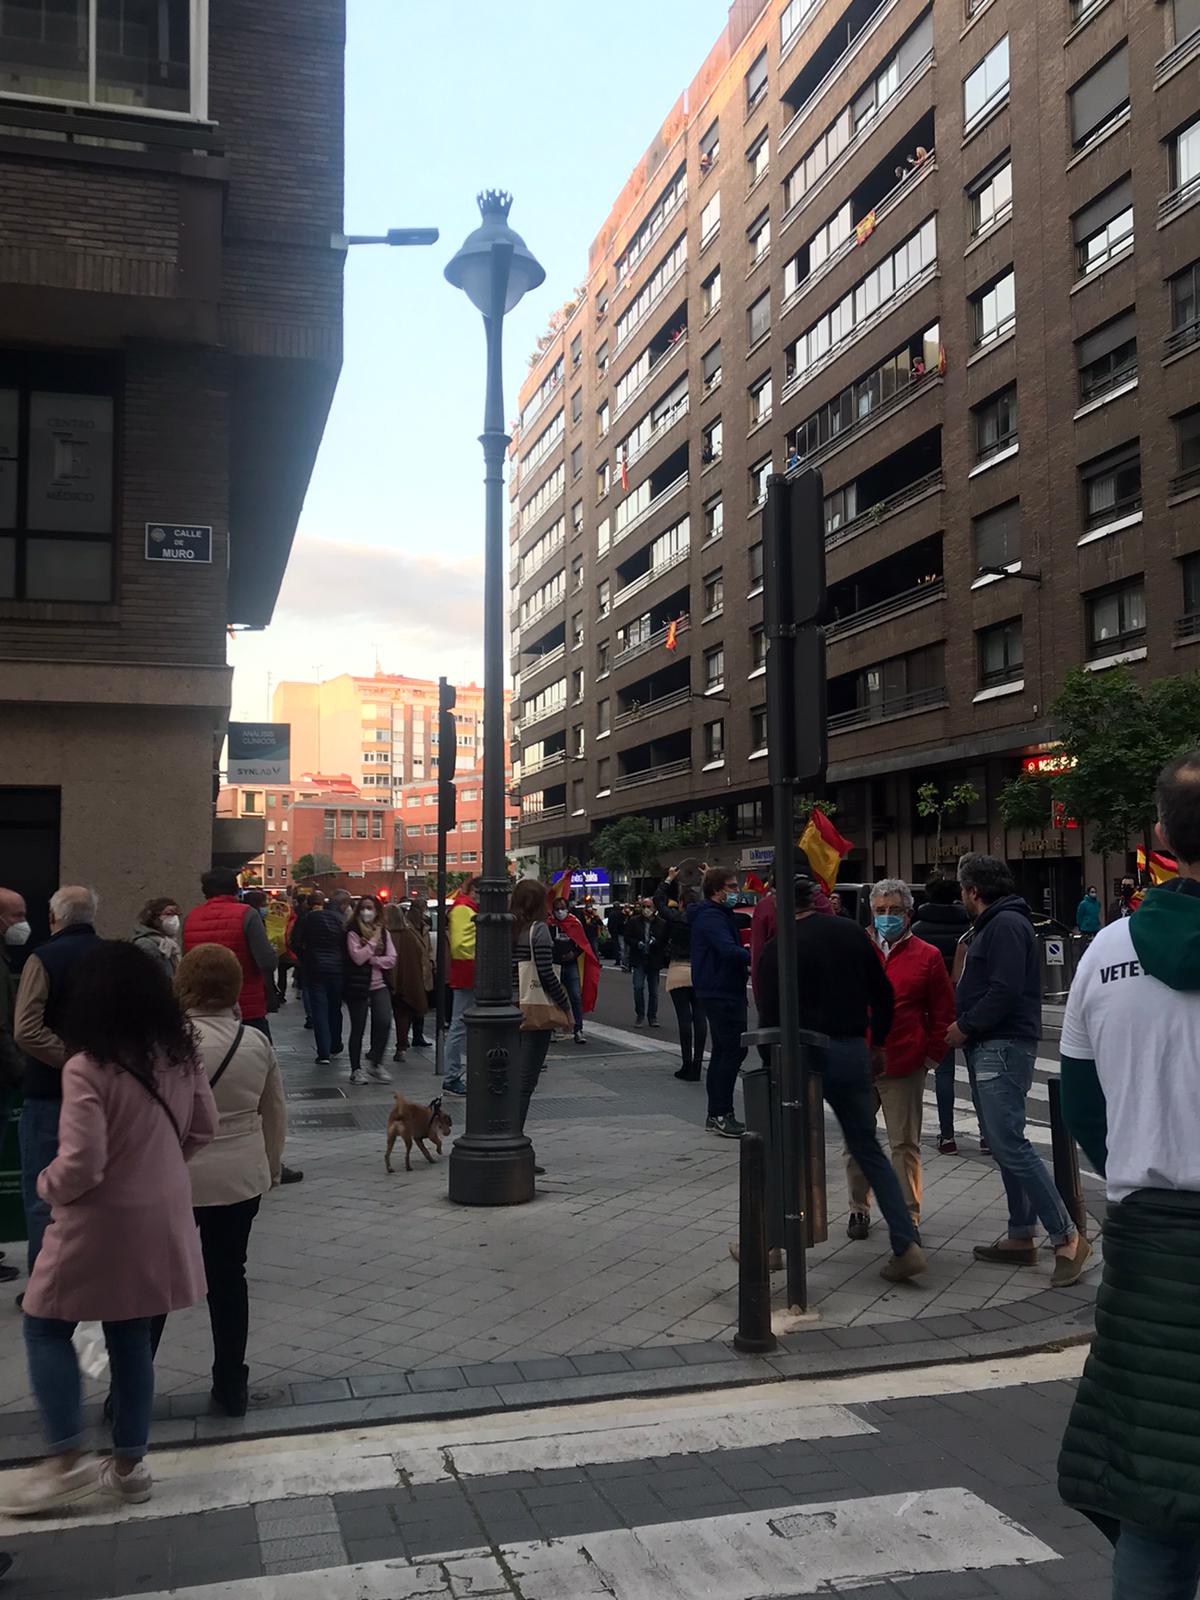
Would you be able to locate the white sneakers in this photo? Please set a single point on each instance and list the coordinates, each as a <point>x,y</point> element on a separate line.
<point>48,1486</point>
<point>134,1488</point>
<point>376,1072</point>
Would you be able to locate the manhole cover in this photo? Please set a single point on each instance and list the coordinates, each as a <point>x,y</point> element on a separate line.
<point>321,1117</point>
<point>329,1093</point>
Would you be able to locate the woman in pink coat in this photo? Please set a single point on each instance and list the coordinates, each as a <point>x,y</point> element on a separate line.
<point>121,1247</point>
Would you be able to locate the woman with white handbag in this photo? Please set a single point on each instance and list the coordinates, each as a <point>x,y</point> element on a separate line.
<point>545,1004</point>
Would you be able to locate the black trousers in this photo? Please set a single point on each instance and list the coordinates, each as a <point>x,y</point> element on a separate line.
<point>224,1240</point>
<point>534,1047</point>
<point>693,1026</point>
<point>378,1005</point>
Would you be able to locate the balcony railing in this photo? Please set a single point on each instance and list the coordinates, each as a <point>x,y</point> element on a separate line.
<point>651,642</point>
<point>662,426</point>
<point>665,355</point>
<point>557,758</point>
<point>552,549</point>
<point>883,710</point>
<point>1182,338</point>
<point>1188,626</point>
<point>546,660</point>
<point>914,286</point>
<point>670,769</point>
<point>546,814</point>
<point>650,708</point>
<point>649,307</point>
<point>1185,482</point>
<point>1174,59</point>
<point>660,499</point>
<point>531,617</point>
<point>900,501</point>
<point>1178,200</point>
<point>647,578</point>
<point>532,718</point>
<point>839,66</point>
<point>861,425</point>
<point>898,606</point>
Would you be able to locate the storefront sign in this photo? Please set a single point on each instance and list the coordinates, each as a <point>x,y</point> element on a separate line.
<point>179,541</point>
<point>588,880</point>
<point>1043,766</point>
<point>259,752</point>
<point>758,855</point>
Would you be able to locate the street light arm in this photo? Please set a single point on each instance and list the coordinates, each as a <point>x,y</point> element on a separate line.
<point>394,236</point>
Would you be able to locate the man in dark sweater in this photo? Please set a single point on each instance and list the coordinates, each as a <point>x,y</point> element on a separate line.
<point>844,992</point>
<point>999,1025</point>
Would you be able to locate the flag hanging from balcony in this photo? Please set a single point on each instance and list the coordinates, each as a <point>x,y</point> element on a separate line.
<point>864,229</point>
<point>824,847</point>
<point>941,358</point>
<point>672,635</point>
<point>624,470</point>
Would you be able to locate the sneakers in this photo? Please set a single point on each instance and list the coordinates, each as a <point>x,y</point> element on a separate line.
<point>47,1486</point>
<point>985,1148</point>
<point>639,1022</point>
<point>898,1269</point>
<point>1001,1254</point>
<point>290,1174</point>
<point>726,1127</point>
<point>1069,1269</point>
<point>358,1076</point>
<point>378,1073</point>
<point>947,1145</point>
<point>455,1086</point>
<point>132,1489</point>
<point>560,1036</point>
<point>397,1055</point>
<point>323,1061</point>
<point>579,1039</point>
<point>655,1023</point>
<point>859,1225</point>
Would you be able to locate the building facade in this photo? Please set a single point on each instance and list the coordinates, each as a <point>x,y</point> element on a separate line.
<point>416,816</point>
<point>321,816</point>
<point>170,338</point>
<point>949,254</point>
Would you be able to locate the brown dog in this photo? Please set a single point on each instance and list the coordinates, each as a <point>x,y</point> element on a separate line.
<point>415,1124</point>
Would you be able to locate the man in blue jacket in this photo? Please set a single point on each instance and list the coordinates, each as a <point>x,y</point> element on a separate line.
<point>720,967</point>
<point>999,1024</point>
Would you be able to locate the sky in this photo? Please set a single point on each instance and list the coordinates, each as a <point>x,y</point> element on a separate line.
<point>533,96</point>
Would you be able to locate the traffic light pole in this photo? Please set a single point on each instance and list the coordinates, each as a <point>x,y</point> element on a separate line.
<point>446,700</point>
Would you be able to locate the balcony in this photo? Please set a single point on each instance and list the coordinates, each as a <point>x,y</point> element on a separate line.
<point>532,718</point>
<point>1188,626</point>
<point>1184,483</point>
<point>836,68</point>
<point>660,499</point>
<point>651,708</point>
<point>557,758</point>
<point>663,288</point>
<point>547,660</point>
<point>550,551</point>
<point>931,483</point>
<point>886,408</point>
<point>530,819</point>
<point>661,428</point>
<point>899,605</point>
<point>1166,66</point>
<point>675,559</point>
<point>671,769</point>
<point>885,710</point>
<point>1182,338</point>
<point>533,617</point>
<point>652,642</point>
<point>914,286</point>
<point>655,366</point>
<point>1178,201</point>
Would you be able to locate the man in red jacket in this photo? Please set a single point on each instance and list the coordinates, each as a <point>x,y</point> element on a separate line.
<point>224,919</point>
<point>924,1007</point>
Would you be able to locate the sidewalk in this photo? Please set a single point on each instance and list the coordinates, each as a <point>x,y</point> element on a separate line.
<point>373,1296</point>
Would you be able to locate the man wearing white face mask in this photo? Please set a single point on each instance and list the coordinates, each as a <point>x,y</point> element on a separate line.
<point>157,933</point>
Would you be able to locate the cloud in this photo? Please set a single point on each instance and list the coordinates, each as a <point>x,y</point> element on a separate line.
<point>431,600</point>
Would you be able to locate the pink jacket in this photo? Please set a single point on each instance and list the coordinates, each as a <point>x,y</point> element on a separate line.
<point>122,1241</point>
<point>363,951</point>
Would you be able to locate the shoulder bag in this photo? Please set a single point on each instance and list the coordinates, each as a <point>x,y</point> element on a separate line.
<point>539,1014</point>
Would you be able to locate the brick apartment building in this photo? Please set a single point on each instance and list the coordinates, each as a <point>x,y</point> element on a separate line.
<point>318,815</point>
<point>948,253</point>
<point>416,814</point>
<point>170,338</point>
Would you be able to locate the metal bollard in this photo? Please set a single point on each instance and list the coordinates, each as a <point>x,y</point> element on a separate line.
<point>1066,1161</point>
<point>754,1279</point>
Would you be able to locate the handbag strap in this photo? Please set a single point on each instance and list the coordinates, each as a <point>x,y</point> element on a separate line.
<point>229,1055</point>
<point>154,1095</point>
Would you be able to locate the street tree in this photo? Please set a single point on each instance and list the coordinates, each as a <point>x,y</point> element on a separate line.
<point>312,866</point>
<point>702,831</point>
<point>938,804</point>
<point>629,845</point>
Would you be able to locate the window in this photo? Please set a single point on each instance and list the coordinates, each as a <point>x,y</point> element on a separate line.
<point>1116,618</point>
<point>996,424</point>
<point>710,218</point>
<point>710,442</point>
<point>469,857</point>
<point>577,518</point>
<point>755,560</point>
<point>330,824</point>
<point>710,292</point>
<point>413,800</point>
<point>577,405</point>
<point>1190,569</point>
<point>758,318</point>
<point>714,594</point>
<point>603,536</point>
<point>758,648</point>
<point>576,351</point>
<point>998,537</point>
<point>710,145</point>
<point>984,87</point>
<point>1187,441</point>
<point>1112,486</point>
<point>794,14</point>
<point>758,729</point>
<point>759,473</point>
<point>1107,357</point>
<point>107,53</point>
<point>1105,228</point>
<point>602,298</point>
<point>991,197</point>
<point>577,685</point>
<point>603,775</point>
<point>841,507</point>
<point>714,668</point>
<point>756,80</point>
<point>602,358</point>
<point>602,420</point>
<point>710,366</point>
<point>57,531</point>
<point>664,206</point>
<point>714,517</point>
<point>252,803</point>
<point>603,716</point>
<point>603,597</point>
<point>468,796</point>
<point>602,659</point>
<point>576,462</point>
<point>995,309</point>
<point>758,236</point>
<point>714,740</point>
<point>758,159</point>
<point>577,573</point>
<point>603,479</point>
<point>760,400</point>
<point>1001,654</point>
<point>346,823</point>
<point>577,630</point>
<point>1099,99</point>
<point>577,800</point>
<point>1186,19</point>
<point>1185,158</point>
<point>1185,304</point>
<point>469,825</point>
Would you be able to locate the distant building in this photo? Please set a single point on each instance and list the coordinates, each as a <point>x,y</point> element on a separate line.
<point>416,817</point>
<point>319,815</point>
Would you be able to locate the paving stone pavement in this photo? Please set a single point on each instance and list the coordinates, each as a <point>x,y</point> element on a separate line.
<point>367,1286</point>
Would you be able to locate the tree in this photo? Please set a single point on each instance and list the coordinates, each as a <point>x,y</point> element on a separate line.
<point>931,802</point>
<point>804,805</point>
<point>312,866</point>
<point>628,844</point>
<point>703,829</point>
<point>455,881</point>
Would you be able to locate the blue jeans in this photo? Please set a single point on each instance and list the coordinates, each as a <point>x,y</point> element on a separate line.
<point>54,1374</point>
<point>849,1091</point>
<point>37,1132</point>
<point>325,1005</point>
<point>456,1037</point>
<point>645,993</point>
<point>726,1024</point>
<point>1153,1566</point>
<point>1001,1074</point>
<point>570,981</point>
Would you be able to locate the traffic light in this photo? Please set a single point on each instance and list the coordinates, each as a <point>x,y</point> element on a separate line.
<point>447,732</point>
<point>383,894</point>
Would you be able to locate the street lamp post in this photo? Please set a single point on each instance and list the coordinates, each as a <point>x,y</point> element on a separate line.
<point>492,1163</point>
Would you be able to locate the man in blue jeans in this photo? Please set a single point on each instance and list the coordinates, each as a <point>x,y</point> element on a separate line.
<point>720,967</point>
<point>999,1024</point>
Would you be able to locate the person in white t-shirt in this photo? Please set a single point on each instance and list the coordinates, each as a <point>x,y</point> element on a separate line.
<point>1131,1097</point>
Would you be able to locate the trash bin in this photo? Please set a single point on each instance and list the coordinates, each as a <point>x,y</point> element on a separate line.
<point>1060,952</point>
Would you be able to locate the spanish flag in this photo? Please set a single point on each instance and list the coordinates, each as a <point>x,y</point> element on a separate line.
<point>673,635</point>
<point>1162,868</point>
<point>560,887</point>
<point>624,469</point>
<point>753,884</point>
<point>864,229</point>
<point>824,847</point>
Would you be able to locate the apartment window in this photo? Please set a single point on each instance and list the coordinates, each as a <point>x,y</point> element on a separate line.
<point>758,236</point>
<point>577,800</point>
<point>996,424</point>
<point>710,366</point>
<point>1185,304</point>
<point>469,796</point>
<point>603,597</point>
<point>604,775</point>
<point>602,658</point>
<point>602,415</point>
<point>602,358</point>
<point>710,145</point>
<point>991,197</point>
<point>576,462</point>
<point>469,857</point>
<point>710,292</point>
<point>760,400</point>
<point>1099,99</point>
<point>577,741</point>
<point>756,80</point>
<point>1112,486</point>
<point>1187,441</point>
<point>1001,654</point>
<point>714,594</point>
<point>1184,150</point>
<point>984,88</point>
<point>710,218</point>
<point>759,473</point>
<point>603,716</point>
<point>412,801</point>
<point>1116,618</point>
<point>577,573</point>
<point>1190,569</point>
<point>758,159</point>
<point>577,405</point>
<point>758,729</point>
<point>346,824</point>
<point>758,648</point>
<point>330,824</point>
<point>1107,357</point>
<point>577,630</point>
<point>1186,19</point>
<point>995,309</point>
<point>57,533</point>
<point>714,740</point>
<point>841,507</point>
<point>1104,229</point>
<point>576,351</point>
<point>714,517</point>
<point>714,668</point>
<point>755,562</point>
<point>602,300</point>
<point>603,536</point>
<point>470,825</point>
<point>758,318</point>
<point>603,480</point>
<point>710,441</point>
<point>577,517</point>
<point>998,537</point>
<point>577,685</point>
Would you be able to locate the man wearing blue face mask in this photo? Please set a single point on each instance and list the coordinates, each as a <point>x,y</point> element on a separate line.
<point>720,967</point>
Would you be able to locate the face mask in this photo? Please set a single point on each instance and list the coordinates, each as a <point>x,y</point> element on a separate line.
<point>731,897</point>
<point>170,926</point>
<point>367,914</point>
<point>18,933</point>
<point>1092,895</point>
<point>647,912</point>
<point>889,927</point>
<point>561,914</point>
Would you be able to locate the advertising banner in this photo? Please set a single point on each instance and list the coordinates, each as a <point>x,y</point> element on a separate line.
<point>259,752</point>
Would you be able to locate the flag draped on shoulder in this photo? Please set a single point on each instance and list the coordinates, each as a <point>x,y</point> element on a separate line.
<point>824,847</point>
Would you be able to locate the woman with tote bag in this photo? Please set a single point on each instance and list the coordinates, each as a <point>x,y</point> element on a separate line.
<point>545,1004</point>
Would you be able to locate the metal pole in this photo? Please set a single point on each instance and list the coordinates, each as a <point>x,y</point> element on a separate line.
<point>754,1333</point>
<point>492,1163</point>
<point>441,969</point>
<point>1066,1161</point>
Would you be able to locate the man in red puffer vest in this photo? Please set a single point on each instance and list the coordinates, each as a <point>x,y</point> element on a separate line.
<point>224,919</point>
